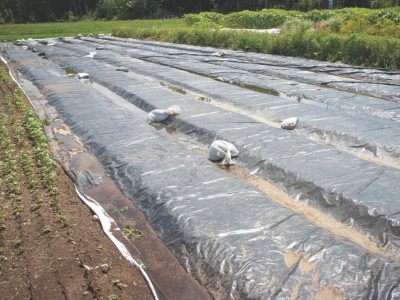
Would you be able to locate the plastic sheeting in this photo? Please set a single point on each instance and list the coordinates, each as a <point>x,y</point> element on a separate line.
<point>229,235</point>
<point>246,73</point>
<point>359,193</point>
<point>379,75</point>
<point>360,133</point>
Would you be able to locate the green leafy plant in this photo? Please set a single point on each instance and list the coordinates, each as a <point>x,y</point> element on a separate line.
<point>131,232</point>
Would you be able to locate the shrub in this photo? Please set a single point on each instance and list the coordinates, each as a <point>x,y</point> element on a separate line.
<point>306,5</point>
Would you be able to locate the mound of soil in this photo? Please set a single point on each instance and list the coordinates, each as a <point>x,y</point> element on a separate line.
<point>51,246</point>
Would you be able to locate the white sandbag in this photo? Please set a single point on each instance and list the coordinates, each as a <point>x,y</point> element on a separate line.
<point>223,53</point>
<point>224,79</point>
<point>82,75</point>
<point>289,124</point>
<point>223,150</point>
<point>91,54</point>
<point>159,115</point>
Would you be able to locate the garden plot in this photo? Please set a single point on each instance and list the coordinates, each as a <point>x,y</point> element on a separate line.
<point>351,190</point>
<point>235,239</point>
<point>357,132</point>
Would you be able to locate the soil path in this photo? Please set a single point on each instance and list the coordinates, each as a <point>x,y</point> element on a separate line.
<point>51,247</point>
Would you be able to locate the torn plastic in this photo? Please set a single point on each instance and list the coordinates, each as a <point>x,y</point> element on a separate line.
<point>289,124</point>
<point>232,237</point>
<point>159,115</point>
<point>222,150</point>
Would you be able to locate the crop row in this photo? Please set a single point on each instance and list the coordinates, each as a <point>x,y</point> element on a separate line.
<point>21,129</point>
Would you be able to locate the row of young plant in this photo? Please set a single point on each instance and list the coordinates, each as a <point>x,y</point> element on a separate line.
<point>272,18</point>
<point>34,155</point>
<point>320,43</point>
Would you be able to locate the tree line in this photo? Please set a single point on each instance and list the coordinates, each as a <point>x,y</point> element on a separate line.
<point>37,11</point>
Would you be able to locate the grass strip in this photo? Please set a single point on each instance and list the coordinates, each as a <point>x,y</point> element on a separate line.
<point>48,30</point>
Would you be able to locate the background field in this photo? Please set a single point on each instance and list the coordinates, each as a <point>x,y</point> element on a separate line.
<point>46,30</point>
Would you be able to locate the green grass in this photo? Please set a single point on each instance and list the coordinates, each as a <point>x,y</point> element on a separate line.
<point>47,30</point>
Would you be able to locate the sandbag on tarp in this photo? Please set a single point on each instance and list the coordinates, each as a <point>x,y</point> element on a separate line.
<point>159,115</point>
<point>222,150</point>
<point>236,241</point>
<point>356,192</point>
<point>289,124</point>
<point>359,133</point>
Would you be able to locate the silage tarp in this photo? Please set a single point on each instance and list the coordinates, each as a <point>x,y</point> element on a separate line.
<point>354,191</point>
<point>236,241</point>
<point>375,82</point>
<point>359,133</point>
<point>370,74</point>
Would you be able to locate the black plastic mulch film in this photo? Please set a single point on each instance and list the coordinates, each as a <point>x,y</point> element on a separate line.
<point>361,133</point>
<point>235,239</point>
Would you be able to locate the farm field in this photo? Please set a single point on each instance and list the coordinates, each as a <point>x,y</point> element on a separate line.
<point>48,30</point>
<point>50,246</point>
<point>299,205</point>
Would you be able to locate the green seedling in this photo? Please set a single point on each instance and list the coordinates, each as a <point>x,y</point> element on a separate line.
<point>112,297</point>
<point>121,285</point>
<point>64,220</point>
<point>17,242</point>
<point>35,206</point>
<point>125,208</point>
<point>45,230</point>
<point>131,232</point>
<point>46,122</point>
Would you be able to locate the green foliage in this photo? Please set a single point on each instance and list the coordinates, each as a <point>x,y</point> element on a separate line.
<point>318,15</point>
<point>190,19</point>
<point>45,230</point>
<point>131,232</point>
<point>245,19</point>
<point>71,17</point>
<point>47,30</point>
<point>307,5</point>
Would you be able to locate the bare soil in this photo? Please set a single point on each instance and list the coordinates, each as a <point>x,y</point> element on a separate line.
<point>45,256</point>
